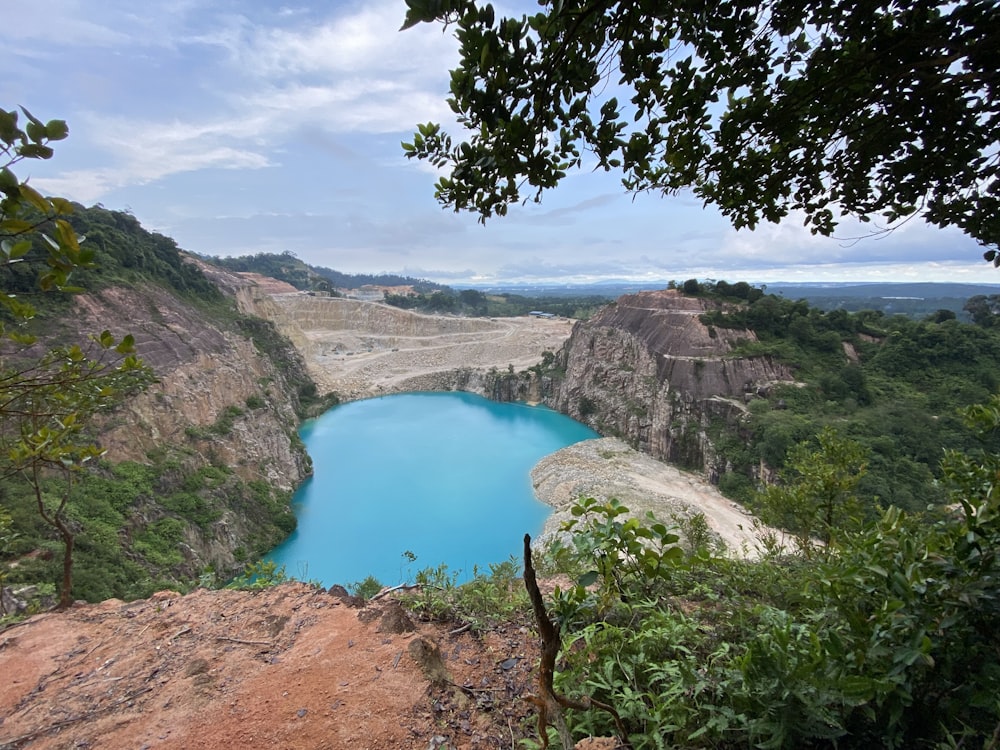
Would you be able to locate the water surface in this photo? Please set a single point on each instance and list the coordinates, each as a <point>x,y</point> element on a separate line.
<point>442,475</point>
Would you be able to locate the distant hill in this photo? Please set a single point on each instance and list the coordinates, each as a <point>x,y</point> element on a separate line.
<point>288,268</point>
<point>914,300</point>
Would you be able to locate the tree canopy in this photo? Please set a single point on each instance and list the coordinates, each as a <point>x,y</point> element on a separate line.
<point>878,110</point>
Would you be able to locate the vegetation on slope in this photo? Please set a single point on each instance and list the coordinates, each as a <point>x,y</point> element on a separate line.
<point>892,384</point>
<point>132,528</point>
<point>288,268</point>
<point>885,637</point>
<point>134,523</point>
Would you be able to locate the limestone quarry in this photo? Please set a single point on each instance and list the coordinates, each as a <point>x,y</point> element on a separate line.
<point>361,349</point>
<point>295,666</point>
<point>652,374</point>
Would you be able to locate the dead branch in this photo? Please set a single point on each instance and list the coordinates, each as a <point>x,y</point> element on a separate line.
<point>400,587</point>
<point>550,703</point>
<point>74,719</point>
<point>245,643</point>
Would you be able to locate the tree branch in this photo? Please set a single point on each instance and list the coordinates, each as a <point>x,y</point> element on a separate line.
<point>550,702</point>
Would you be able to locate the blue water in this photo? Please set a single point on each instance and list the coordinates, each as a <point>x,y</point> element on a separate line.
<point>442,475</point>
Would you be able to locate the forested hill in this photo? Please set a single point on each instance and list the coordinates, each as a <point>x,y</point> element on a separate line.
<point>288,268</point>
<point>893,384</point>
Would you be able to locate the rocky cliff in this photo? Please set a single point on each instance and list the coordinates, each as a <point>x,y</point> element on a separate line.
<point>211,451</point>
<point>646,369</point>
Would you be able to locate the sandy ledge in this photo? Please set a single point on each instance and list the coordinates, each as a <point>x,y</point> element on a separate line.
<point>606,468</point>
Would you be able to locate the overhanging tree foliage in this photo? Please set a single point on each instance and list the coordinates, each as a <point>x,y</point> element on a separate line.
<point>832,108</point>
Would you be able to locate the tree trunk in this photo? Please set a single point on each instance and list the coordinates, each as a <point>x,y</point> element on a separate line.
<point>68,538</point>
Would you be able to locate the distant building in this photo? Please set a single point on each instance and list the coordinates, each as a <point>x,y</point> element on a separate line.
<point>540,314</point>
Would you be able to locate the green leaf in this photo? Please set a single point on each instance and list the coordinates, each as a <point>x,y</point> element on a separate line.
<point>35,151</point>
<point>31,118</point>
<point>588,578</point>
<point>18,249</point>
<point>56,130</point>
<point>36,132</point>
<point>35,198</point>
<point>127,345</point>
<point>8,181</point>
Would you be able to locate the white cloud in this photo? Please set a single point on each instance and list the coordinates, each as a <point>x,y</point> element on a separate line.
<point>148,151</point>
<point>65,22</point>
<point>349,73</point>
<point>790,243</point>
<point>364,42</point>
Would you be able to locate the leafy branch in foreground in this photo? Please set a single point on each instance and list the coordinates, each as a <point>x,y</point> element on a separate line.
<point>48,398</point>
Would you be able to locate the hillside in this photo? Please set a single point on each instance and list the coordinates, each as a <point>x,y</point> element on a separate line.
<point>198,470</point>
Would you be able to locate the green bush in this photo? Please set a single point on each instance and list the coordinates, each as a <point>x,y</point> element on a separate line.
<point>365,588</point>
<point>886,640</point>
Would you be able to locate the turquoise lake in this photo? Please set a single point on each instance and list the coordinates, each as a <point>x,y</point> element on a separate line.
<point>445,476</point>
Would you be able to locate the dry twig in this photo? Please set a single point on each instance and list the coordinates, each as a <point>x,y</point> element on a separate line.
<point>550,703</point>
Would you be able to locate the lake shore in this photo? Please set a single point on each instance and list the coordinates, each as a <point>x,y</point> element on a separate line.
<point>606,468</point>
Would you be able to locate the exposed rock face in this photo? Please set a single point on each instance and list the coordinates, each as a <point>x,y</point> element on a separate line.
<point>220,402</point>
<point>203,370</point>
<point>646,369</point>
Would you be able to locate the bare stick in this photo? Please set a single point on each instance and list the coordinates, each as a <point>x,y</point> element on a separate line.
<point>400,587</point>
<point>550,702</point>
<point>245,643</point>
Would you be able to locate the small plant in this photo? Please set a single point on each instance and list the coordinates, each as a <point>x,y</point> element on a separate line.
<point>587,406</point>
<point>254,401</point>
<point>614,552</point>
<point>432,599</point>
<point>489,597</point>
<point>260,575</point>
<point>227,418</point>
<point>698,538</point>
<point>409,557</point>
<point>365,588</point>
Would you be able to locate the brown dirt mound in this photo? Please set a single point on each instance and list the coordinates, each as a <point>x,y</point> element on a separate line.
<point>287,667</point>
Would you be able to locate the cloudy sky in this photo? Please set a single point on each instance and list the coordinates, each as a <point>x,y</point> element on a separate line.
<point>246,126</point>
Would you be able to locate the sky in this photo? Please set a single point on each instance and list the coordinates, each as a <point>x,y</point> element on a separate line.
<point>245,127</point>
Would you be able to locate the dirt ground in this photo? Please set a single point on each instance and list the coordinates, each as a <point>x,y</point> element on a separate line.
<point>286,667</point>
<point>361,349</point>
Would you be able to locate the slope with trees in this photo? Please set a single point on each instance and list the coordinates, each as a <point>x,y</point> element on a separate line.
<point>110,491</point>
